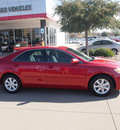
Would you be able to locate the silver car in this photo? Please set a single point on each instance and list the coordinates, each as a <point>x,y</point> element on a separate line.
<point>6,47</point>
<point>114,46</point>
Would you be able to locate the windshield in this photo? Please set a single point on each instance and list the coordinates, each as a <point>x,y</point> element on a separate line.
<point>21,45</point>
<point>79,54</point>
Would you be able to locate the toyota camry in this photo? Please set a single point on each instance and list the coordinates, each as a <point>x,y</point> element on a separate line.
<point>58,67</point>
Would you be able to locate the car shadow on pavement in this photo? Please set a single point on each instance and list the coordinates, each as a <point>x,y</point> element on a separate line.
<point>28,95</point>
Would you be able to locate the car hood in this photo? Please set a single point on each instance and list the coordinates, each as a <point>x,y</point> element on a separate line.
<point>106,62</point>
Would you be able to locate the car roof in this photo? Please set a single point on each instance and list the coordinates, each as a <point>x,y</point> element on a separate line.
<point>105,39</point>
<point>47,47</point>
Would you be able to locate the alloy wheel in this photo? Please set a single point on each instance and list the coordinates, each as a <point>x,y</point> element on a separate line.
<point>101,86</point>
<point>11,84</point>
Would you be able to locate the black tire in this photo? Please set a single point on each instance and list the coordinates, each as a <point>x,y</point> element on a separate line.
<point>11,83</point>
<point>101,85</point>
<point>115,51</point>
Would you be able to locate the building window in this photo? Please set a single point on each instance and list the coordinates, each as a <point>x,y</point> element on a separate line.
<point>35,35</point>
<point>26,35</point>
<point>22,35</point>
<point>18,35</point>
<point>52,36</point>
<point>7,37</point>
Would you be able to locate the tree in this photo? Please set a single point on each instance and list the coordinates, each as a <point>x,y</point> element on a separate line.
<point>117,33</point>
<point>84,15</point>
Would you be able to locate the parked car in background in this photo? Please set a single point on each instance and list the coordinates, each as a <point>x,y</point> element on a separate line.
<point>6,47</point>
<point>90,39</point>
<point>105,43</point>
<point>21,45</point>
<point>117,40</point>
<point>58,67</point>
<point>75,41</point>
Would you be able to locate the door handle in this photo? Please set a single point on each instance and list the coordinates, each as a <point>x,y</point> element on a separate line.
<point>15,65</point>
<point>50,66</point>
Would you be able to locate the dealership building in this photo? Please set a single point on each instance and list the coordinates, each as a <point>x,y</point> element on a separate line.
<point>29,20</point>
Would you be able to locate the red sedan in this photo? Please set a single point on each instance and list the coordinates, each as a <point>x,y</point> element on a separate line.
<point>58,67</point>
<point>21,45</point>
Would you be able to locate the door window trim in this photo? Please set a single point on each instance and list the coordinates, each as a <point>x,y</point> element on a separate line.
<point>45,49</point>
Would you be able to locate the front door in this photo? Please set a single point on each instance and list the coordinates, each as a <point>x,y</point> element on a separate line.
<point>61,72</point>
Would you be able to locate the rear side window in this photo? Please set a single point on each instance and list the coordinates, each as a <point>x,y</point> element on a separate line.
<point>106,42</point>
<point>31,56</point>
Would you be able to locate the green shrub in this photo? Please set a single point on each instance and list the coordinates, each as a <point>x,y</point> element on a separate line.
<point>106,52</point>
<point>91,52</point>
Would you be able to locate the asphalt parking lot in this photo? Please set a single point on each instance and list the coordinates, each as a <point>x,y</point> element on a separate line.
<point>55,109</point>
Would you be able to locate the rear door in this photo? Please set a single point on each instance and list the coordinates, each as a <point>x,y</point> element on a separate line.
<point>108,44</point>
<point>30,67</point>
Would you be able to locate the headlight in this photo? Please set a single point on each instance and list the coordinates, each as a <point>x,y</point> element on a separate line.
<point>117,70</point>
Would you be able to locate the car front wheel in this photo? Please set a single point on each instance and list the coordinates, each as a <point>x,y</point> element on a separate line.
<point>11,83</point>
<point>101,85</point>
<point>115,51</point>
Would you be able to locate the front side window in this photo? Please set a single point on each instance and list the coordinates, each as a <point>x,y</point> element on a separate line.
<point>58,56</point>
<point>31,56</point>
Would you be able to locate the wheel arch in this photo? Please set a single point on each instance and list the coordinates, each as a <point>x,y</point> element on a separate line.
<point>4,75</point>
<point>115,49</point>
<point>99,75</point>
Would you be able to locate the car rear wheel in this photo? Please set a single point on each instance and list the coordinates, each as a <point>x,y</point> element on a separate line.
<point>101,85</point>
<point>11,83</point>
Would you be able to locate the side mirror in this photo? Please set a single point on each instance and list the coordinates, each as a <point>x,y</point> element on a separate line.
<point>75,61</point>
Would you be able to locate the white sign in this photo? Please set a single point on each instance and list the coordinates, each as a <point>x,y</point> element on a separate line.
<point>42,30</point>
<point>15,8</point>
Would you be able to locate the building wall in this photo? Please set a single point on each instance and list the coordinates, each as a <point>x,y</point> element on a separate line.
<point>60,38</point>
<point>19,24</point>
<point>27,7</point>
<point>50,6</point>
<point>23,14</point>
